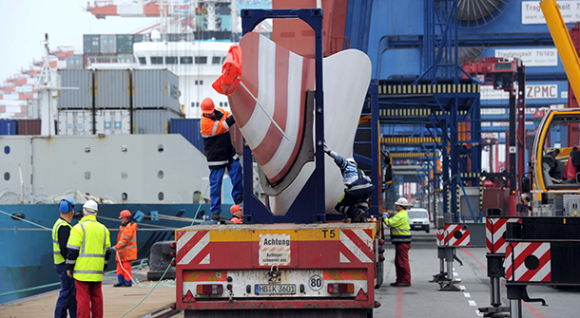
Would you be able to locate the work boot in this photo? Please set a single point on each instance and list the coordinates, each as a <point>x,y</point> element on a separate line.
<point>359,216</point>
<point>239,200</point>
<point>400,285</point>
<point>215,216</point>
<point>117,285</point>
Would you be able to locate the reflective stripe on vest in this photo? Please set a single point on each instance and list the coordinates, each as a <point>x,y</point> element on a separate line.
<point>58,258</point>
<point>89,265</point>
<point>215,125</point>
<point>400,228</point>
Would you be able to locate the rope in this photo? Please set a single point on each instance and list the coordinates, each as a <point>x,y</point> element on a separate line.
<point>199,206</point>
<point>29,289</point>
<point>140,224</point>
<point>135,281</point>
<point>21,219</point>
<point>125,314</point>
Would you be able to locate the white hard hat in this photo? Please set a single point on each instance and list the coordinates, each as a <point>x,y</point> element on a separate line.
<point>91,206</point>
<point>402,202</point>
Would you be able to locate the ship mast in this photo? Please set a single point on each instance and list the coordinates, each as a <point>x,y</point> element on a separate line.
<point>47,86</point>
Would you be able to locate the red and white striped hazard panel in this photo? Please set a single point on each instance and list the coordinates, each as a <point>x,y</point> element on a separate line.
<point>456,235</point>
<point>192,247</point>
<point>440,237</point>
<point>494,233</point>
<point>528,262</point>
<point>356,246</point>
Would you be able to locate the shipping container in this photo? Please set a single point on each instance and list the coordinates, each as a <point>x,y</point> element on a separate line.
<point>112,89</point>
<point>113,122</point>
<point>156,89</point>
<point>124,43</point>
<point>91,43</point>
<point>29,126</point>
<point>8,127</point>
<point>33,108</point>
<point>152,121</point>
<point>81,98</point>
<point>75,122</point>
<point>108,43</point>
<point>24,88</point>
<point>11,96</point>
<point>190,129</point>
<point>75,62</point>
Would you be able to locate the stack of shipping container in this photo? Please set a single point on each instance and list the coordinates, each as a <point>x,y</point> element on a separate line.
<point>20,126</point>
<point>118,48</point>
<point>117,102</point>
<point>103,48</point>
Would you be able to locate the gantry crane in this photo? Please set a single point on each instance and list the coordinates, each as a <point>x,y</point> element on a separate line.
<point>180,14</point>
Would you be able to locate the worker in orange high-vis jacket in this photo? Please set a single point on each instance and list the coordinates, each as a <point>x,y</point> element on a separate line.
<point>237,214</point>
<point>126,249</point>
<point>220,154</point>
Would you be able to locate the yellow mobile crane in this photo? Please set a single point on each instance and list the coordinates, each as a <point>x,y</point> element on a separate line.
<point>555,160</point>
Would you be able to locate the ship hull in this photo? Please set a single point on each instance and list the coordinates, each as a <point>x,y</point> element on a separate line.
<point>27,260</point>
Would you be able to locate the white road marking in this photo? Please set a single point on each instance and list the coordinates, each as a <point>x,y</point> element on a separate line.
<point>467,295</point>
<point>479,313</point>
<point>461,287</point>
<point>472,303</point>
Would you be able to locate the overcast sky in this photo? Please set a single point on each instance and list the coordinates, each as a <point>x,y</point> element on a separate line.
<point>24,22</point>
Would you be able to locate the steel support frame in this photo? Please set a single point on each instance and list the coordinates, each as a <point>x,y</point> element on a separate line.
<point>309,206</point>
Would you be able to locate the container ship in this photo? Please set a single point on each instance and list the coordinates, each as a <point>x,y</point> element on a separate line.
<point>123,129</point>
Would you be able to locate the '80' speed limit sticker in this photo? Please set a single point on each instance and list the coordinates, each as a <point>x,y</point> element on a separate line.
<point>315,282</point>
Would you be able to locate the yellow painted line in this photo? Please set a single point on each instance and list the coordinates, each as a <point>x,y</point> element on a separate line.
<point>295,235</point>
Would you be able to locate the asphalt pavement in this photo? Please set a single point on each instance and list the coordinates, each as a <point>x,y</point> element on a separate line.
<point>423,299</point>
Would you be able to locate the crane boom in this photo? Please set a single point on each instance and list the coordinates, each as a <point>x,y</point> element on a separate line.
<point>563,42</point>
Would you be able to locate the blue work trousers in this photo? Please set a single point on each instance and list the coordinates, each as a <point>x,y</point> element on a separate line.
<point>66,299</point>
<point>215,180</point>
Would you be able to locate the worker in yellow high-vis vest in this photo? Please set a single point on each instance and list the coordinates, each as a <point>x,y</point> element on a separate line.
<point>88,251</point>
<point>60,234</point>
<point>401,238</point>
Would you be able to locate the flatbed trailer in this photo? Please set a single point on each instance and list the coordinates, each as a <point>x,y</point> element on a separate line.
<point>306,269</point>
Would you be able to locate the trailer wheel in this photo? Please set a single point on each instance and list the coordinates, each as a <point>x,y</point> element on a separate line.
<point>369,313</point>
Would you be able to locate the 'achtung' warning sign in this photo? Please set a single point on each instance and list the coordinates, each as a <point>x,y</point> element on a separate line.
<point>274,249</point>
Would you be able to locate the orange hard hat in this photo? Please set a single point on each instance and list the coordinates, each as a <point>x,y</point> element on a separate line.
<point>235,208</point>
<point>237,211</point>
<point>207,106</point>
<point>125,214</point>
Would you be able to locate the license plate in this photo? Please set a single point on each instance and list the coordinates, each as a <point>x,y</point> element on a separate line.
<point>282,289</point>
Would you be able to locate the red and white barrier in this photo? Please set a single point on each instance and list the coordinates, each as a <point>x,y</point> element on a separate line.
<point>528,262</point>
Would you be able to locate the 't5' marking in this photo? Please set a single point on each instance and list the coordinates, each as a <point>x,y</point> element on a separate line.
<point>330,233</point>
